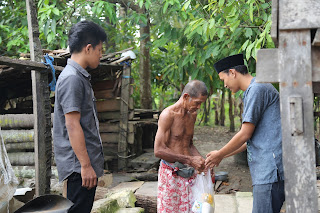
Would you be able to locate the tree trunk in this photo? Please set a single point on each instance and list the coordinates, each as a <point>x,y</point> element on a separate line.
<point>207,110</point>
<point>145,72</point>
<point>222,110</point>
<point>240,110</point>
<point>231,115</point>
<point>216,110</point>
<point>12,136</point>
<point>21,158</point>
<point>18,121</point>
<point>235,107</point>
<point>11,147</point>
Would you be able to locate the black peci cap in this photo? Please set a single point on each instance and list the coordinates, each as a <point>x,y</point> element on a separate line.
<point>229,62</point>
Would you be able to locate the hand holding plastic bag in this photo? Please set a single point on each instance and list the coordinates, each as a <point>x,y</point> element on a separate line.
<point>203,192</point>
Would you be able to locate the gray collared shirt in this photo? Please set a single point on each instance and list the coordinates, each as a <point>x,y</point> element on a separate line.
<point>74,93</point>
<point>262,108</point>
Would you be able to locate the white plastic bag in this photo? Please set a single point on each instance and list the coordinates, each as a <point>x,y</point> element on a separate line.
<point>203,194</point>
<point>8,180</point>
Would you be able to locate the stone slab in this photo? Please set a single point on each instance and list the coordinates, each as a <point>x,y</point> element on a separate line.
<point>105,180</point>
<point>148,188</point>
<point>133,186</point>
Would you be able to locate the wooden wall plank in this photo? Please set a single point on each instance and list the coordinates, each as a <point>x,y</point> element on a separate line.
<point>109,127</point>
<point>110,149</point>
<point>109,137</point>
<point>104,94</point>
<point>103,85</point>
<point>108,105</point>
<point>104,116</point>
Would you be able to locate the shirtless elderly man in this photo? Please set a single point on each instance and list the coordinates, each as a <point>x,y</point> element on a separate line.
<point>173,143</point>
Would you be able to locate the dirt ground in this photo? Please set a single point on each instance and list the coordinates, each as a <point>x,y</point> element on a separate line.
<point>208,138</point>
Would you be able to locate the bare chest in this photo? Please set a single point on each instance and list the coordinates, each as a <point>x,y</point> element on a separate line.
<point>183,127</point>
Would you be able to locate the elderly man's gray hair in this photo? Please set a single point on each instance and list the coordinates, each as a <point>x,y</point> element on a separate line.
<point>195,88</point>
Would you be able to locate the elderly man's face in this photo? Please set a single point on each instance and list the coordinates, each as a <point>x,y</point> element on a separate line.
<point>195,103</point>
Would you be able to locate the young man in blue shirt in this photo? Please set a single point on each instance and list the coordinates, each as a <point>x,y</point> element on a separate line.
<point>261,129</point>
<point>77,143</point>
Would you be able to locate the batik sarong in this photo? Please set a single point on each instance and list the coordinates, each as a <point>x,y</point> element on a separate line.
<point>174,192</point>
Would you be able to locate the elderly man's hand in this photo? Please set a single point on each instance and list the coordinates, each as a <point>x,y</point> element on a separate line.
<point>213,159</point>
<point>197,162</point>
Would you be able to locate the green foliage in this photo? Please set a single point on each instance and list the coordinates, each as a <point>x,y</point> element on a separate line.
<point>54,18</point>
<point>205,33</point>
<point>187,37</point>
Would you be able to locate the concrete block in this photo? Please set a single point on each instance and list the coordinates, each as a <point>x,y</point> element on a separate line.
<point>225,203</point>
<point>131,210</point>
<point>244,202</point>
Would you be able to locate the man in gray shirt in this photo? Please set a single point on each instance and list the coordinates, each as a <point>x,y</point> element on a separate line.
<point>261,129</point>
<point>77,143</point>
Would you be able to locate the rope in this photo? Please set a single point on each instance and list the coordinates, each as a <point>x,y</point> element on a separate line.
<point>49,60</point>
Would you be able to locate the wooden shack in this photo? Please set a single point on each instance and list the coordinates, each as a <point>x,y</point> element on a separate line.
<point>125,132</point>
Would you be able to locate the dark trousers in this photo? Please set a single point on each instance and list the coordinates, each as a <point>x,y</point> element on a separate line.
<point>80,196</point>
<point>268,198</point>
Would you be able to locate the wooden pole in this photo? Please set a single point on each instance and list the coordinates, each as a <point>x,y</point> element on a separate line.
<point>296,100</point>
<point>124,116</point>
<point>41,107</point>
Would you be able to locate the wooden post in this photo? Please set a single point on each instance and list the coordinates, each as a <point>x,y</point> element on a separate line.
<point>124,116</point>
<point>41,107</point>
<point>296,97</point>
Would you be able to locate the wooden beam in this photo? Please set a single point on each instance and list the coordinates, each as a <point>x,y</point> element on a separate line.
<point>315,54</point>
<point>297,14</point>
<point>268,65</point>
<point>124,117</point>
<point>296,97</point>
<point>26,64</point>
<point>41,107</point>
<point>316,40</point>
